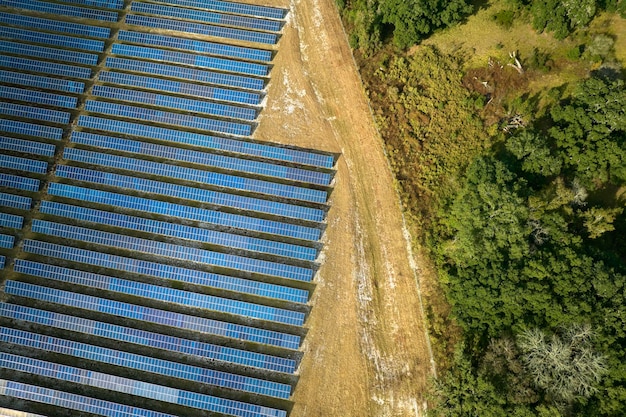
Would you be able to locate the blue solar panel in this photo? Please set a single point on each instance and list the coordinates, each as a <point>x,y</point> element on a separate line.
<point>2,261</point>
<point>48,53</point>
<point>144,363</point>
<point>130,386</point>
<point>50,39</point>
<point>67,401</point>
<point>232,7</point>
<point>262,150</point>
<point>26,146</point>
<point>107,4</point>
<point>37,113</point>
<point>55,25</point>
<point>208,17</point>
<point>19,183</point>
<point>231,51</point>
<point>23,164</point>
<point>187,74</point>
<point>144,338</point>
<point>14,93</point>
<point>38,81</point>
<point>163,294</point>
<point>31,129</point>
<point>45,7</point>
<point>179,103</point>
<point>188,89</point>
<point>159,116</point>
<point>162,317</point>
<point>222,64</point>
<point>193,194</point>
<point>179,231</point>
<point>185,253</point>
<point>49,68</point>
<point>164,271</point>
<point>202,158</point>
<point>7,241</point>
<point>195,175</point>
<point>185,212</point>
<point>202,29</point>
<point>11,221</point>
<point>15,201</point>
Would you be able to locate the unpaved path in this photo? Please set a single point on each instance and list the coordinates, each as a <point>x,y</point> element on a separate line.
<point>366,352</point>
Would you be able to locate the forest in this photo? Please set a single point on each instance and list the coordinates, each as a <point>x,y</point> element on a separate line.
<point>512,169</point>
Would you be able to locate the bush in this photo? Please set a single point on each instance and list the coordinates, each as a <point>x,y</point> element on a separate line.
<point>504,18</point>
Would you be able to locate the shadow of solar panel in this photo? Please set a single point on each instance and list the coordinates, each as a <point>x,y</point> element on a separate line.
<point>50,39</point>
<point>49,68</point>
<point>15,201</point>
<point>179,231</point>
<point>38,81</point>
<point>107,4</point>
<point>11,221</point>
<point>231,51</point>
<point>55,25</point>
<point>23,164</point>
<point>183,253</point>
<point>232,7</point>
<point>19,183</point>
<point>30,112</point>
<point>163,294</point>
<point>31,129</point>
<point>144,363</point>
<point>159,116</point>
<point>165,318</point>
<point>48,53</point>
<point>207,17</point>
<point>179,103</point>
<point>7,241</point>
<point>222,94</point>
<point>2,261</point>
<point>150,339</point>
<point>202,29</point>
<point>221,64</point>
<point>26,146</point>
<point>53,8</point>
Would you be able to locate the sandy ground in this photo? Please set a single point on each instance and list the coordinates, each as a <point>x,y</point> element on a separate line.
<point>366,352</point>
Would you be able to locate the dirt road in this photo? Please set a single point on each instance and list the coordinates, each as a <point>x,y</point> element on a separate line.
<point>366,352</point>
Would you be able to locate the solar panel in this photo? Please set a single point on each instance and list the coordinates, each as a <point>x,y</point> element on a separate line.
<point>11,221</point>
<point>54,25</point>
<point>45,7</point>
<point>49,68</point>
<point>131,386</point>
<point>68,401</point>
<point>5,412</point>
<point>187,74</point>
<point>261,150</point>
<point>195,175</point>
<point>15,201</point>
<point>159,116</point>
<point>232,7</point>
<point>2,261</point>
<point>179,231</point>
<point>31,129</point>
<point>144,363</point>
<point>50,39</point>
<point>231,51</point>
<point>184,253</point>
<point>26,146</point>
<point>37,113</point>
<point>107,4</point>
<point>149,339</point>
<point>202,158</point>
<point>164,271</point>
<point>202,29</point>
<point>23,164</point>
<point>208,17</point>
<point>163,294</point>
<point>48,53</point>
<point>221,64</point>
<point>184,212</point>
<point>19,183</point>
<point>179,103</point>
<point>7,241</point>
<point>162,317</point>
<point>14,93</point>
<point>188,89</point>
<point>38,81</point>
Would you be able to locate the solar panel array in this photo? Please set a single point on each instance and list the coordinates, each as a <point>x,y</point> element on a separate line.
<point>146,231</point>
